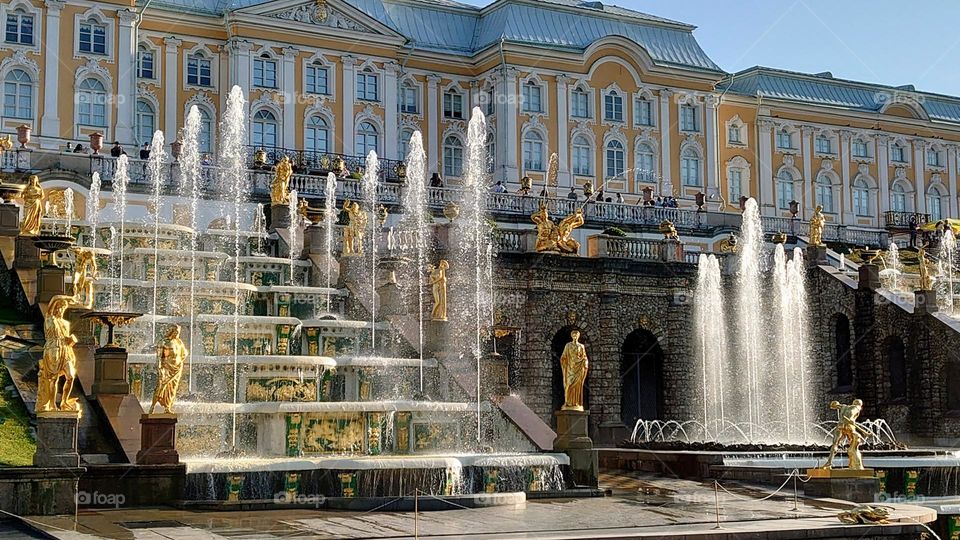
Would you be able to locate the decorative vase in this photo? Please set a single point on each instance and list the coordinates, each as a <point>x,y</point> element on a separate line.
<point>23,135</point>
<point>96,142</point>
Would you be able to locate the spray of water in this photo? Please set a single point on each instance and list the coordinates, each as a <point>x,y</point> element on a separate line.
<point>190,175</point>
<point>368,188</point>
<point>749,309</point>
<point>68,210</point>
<point>709,318</point>
<point>946,266</point>
<point>155,173</point>
<point>329,220</point>
<point>415,208</point>
<point>93,207</point>
<point>294,235</point>
<point>120,180</point>
<point>892,274</point>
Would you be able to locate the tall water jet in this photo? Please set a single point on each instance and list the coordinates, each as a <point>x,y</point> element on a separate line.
<point>416,212</point>
<point>709,320</point>
<point>294,234</point>
<point>368,189</point>
<point>155,173</point>
<point>260,227</point>
<point>121,178</point>
<point>68,210</point>
<point>946,269</point>
<point>798,335</point>
<point>329,221</point>
<point>749,338</point>
<point>93,207</point>
<point>893,269</point>
<point>190,175</point>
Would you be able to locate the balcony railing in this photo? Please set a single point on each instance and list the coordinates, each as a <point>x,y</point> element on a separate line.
<point>904,220</point>
<point>319,163</point>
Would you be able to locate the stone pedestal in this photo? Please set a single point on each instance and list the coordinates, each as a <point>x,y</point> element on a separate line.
<point>279,217</point>
<point>849,485</point>
<point>110,371</point>
<point>672,250</point>
<point>435,337</point>
<point>51,281</point>
<point>868,277</point>
<point>315,240</point>
<point>352,267</point>
<point>494,375</point>
<point>158,440</point>
<point>9,219</point>
<point>572,439</point>
<point>816,255</point>
<point>27,254</point>
<point>925,302</point>
<point>441,239</point>
<point>391,301</point>
<point>57,439</point>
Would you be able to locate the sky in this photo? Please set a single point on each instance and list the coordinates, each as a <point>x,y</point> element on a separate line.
<point>879,41</point>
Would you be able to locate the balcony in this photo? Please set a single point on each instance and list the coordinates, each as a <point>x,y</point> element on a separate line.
<point>904,220</point>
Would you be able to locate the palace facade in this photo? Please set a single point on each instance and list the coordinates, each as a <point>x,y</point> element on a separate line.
<point>628,101</point>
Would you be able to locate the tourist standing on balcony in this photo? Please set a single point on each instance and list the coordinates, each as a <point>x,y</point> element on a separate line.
<point>573,194</point>
<point>914,227</point>
<point>117,150</point>
<point>145,151</point>
<point>620,198</point>
<point>499,187</point>
<point>78,149</point>
<point>436,181</point>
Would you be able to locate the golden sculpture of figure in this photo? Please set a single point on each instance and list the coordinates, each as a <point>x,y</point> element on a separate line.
<point>926,282</point>
<point>358,221</point>
<point>574,364</point>
<point>847,430</point>
<point>668,230</point>
<point>556,237</point>
<point>58,359</point>
<point>438,282</point>
<point>303,209</point>
<point>33,199</point>
<point>84,273</point>
<point>171,355</point>
<point>348,230</point>
<point>280,188</point>
<point>816,227</point>
<point>564,243</point>
<point>546,230</point>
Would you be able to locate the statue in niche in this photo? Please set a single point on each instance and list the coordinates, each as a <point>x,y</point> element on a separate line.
<point>33,199</point>
<point>574,364</point>
<point>58,360</point>
<point>171,354</point>
<point>438,282</point>
<point>280,187</point>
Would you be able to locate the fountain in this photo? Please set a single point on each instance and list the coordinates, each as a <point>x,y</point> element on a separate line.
<point>892,273</point>
<point>946,266</point>
<point>120,179</point>
<point>93,207</point>
<point>330,220</point>
<point>368,189</point>
<point>190,175</point>
<point>709,309</point>
<point>155,172</point>
<point>416,212</point>
<point>748,322</point>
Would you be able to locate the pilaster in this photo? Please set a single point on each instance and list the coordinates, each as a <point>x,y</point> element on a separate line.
<point>433,123</point>
<point>127,79</point>
<point>952,179</point>
<point>666,154</point>
<point>919,147</point>
<point>240,65</point>
<point>710,110</point>
<point>563,132</point>
<point>883,175</point>
<point>391,109</point>
<point>768,202</point>
<point>50,121</point>
<point>171,82</point>
<point>510,119</point>
<point>289,92</point>
<point>348,99</point>
<point>806,136</point>
<point>846,212</point>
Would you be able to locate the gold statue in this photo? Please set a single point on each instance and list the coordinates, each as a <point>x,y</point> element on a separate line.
<point>33,199</point>
<point>668,230</point>
<point>546,229</point>
<point>926,282</point>
<point>348,230</point>
<point>438,281</point>
<point>574,364</point>
<point>5,143</point>
<point>58,359</point>
<point>556,237</point>
<point>171,355</point>
<point>280,187</point>
<point>84,273</point>
<point>358,222</point>
<point>303,209</point>
<point>564,243</point>
<point>816,227</point>
<point>847,429</point>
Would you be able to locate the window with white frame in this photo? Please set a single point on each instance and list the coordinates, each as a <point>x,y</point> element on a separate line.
<point>823,145</point>
<point>409,98</point>
<point>532,97</point>
<point>898,198</point>
<point>91,103</point>
<point>784,140</point>
<point>205,138</point>
<point>93,37</point>
<point>452,157</point>
<point>933,158</point>
<point>860,149</point>
<point>317,78</point>
<point>643,112</point>
<point>367,139</point>
<point>646,163</point>
<point>690,168</point>
<point>316,137</point>
<point>735,183</point>
<point>453,105</point>
<point>264,129</point>
<point>18,95</point>
<point>935,198</point>
<point>19,28</point>
<point>582,156</point>
<point>264,72</point>
<point>488,103</point>
<point>145,63</point>
<point>784,189</point>
<point>733,134</point>
<point>368,86</point>
<point>861,197</point>
<point>613,106</point>
<point>689,119</point>
<point>580,103</point>
<point>405,136</point>
<point>824,193</point>
<point>898,153</point>
<point>146,121</point>
<point>616,159</point>
<point>199,71</point>
<point>533,151</point>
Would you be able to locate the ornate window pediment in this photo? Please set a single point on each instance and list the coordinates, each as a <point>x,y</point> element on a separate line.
<point>319,13</point>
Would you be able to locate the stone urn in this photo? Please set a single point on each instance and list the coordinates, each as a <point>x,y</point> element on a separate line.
<point>23,135</point>
<point>96,142</point>
<point>451,211</point>
<point>176,149</point>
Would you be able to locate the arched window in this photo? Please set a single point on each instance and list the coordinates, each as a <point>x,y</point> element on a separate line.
<point>264,129</point>
<point>367,139</point>
<point>452,157</point>
<point>533,151</point>
<point>616,161</point>
<point>646,164</point>
<point>317,136</point>
<point>582,156</point>
<point>898,198</point>
<point>784,189</point>
<point>690,168</point>
<point>825,193</point>
<point>18,95</point>
<point>205,139</point>
<point>145,62</point>
<point>935,202</point>
<point>897,365</point>
<point>842,351</point>
<point>405,136</point>
<point>92,103</point>
<point>146,121</point>
<point>861,197</point>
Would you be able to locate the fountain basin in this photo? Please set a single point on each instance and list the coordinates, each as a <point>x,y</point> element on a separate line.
<point>200,465</point>
<point>295,361</point>
<point>274,407</point>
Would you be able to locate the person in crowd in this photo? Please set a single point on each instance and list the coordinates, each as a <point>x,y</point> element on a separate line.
<point>573,194</point>
<point>620,198</point>
<point>499,187</point>
<point>78,149</point>
<point>599,195</point>
<point>117,150</point>
<point>658,202</point>
<point>436,181</point>
<point>914,228</point>
<point>145,151</point>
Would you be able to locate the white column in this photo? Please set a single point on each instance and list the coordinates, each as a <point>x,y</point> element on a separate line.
<point>563,132</point>
<point>289,92</point>
<point>918,171</point>
<point>391,109</point>
<point>846,212</point>
<point>768,201</point>
<point>348,98</point>
<point>713,183</point>
<point>50,121</point>
<point>127,77</point>
<point>883,176</point>
<point>806,134</point>
<point>474,97</point>
<point>952,179</point>
<point>510,117</point>
<point>666,153</point>
<point>171,82</point>
<point>433,124</point>
<point>240,66</point>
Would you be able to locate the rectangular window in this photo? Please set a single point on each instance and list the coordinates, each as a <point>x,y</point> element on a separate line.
<point>19,28</point>
<point>532,98</point>
<point>533,155</point>
<point>736,185</point>
<point>690,171</point>
<point>824,146</point>
<point>453,105</point>
<point>897,154</point>
<point>317,77</point>
<point>367,87</point>
<point>616,165</point>
<point>784,195</point>
<point>643,112</point>
<point>93,38</point>
<point>613,107</point>
<point>198,71</point>
<point>489,104</point>
<point>580,105</point>
<point>859,149</point>
<point>933,158</point>
<point>264,73</point>
<point>688,118</point>
<point>733,135</point>
<point>145,64</point>
<point>408,100</point>
<point>581,161</point>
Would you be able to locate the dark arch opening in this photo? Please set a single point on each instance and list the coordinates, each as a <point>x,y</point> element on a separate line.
<point>560,340</point>
<point>842,352</point>
<point>897,367</point>
<point>641,374</point>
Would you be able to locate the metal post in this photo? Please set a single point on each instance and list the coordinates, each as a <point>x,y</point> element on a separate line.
<point>716,498</point>
<point>416,515</point>
<point>795,473</point>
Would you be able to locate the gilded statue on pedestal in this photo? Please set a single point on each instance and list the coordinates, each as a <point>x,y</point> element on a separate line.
<point>348,230</point>
<point>847,430</point>
<point>171,354</point>
<point>280,187</point>
<point>556,237</point>
<point>926,282</point>
<point>33,199</point>
<point>84,274</point>
<point>438,282</point>
<point>58,359</point>
<point>358,224</point>
<point>816,227</point>
<point>574,364</point>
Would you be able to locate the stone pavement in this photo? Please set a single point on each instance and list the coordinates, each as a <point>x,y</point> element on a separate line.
<point>640,506</point>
